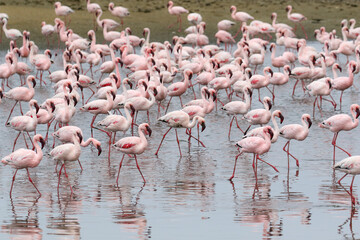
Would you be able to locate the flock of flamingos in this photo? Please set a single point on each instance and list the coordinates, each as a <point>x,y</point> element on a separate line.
<point>155,67</point>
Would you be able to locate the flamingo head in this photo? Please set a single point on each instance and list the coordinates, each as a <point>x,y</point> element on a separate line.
<point>201,121</point>
<point>113,94</point>
<point>1,93</point>
<point>75,100</point>
<point>328,81</point>
<point>129,105</point>
<point>111,6</point>
<point>170,3</point>
<point>232,9</point>
<point>273,15</point>
<point>57,4</point>
<point>68,85</point>
<point>269,131</point>
<point>307,118</point>
<point>267,100</point>
<point>249,91</point>
<point>356,108</point>
<point>272,46</point>
<point>213,92</point>
<point>79,135</point>
<point>207,92</point>
<point>268,69</point>
<point>288,8</point>
<point>279,115</point>
<point>52,105</point>
<point>41,139</point>
<point>353,66</point>
<point>147,129</point>
<point>338,67</point>
<point>32,79</point>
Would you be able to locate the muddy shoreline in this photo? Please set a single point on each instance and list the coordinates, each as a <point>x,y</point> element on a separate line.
<point>153,14</point>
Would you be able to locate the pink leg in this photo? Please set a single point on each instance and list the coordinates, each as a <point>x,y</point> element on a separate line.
<point>237,124</point>
<point>232,119</point>
<point>27,146</point>
<point>117,179</point>
<point>334,143</point>
<point>162,141</point>
<point>287,151</point>
<point>7,120</point>
<point>80,165</point>
<point>68,179</point>
<point>32,181</point>
<point>351,191</point>
<point>12,183</point>
<point>62,166</point>
<point>342,178</point>
<point>191,136</point>
<point>168,105</point>
<point>302,27</point>
<point>268,164</point>
<point>137,165</point>
<point>31,140</point>
<point>294,87</point>
<point>15,141</point>
<point>236,158</point>
<point>178,142</point>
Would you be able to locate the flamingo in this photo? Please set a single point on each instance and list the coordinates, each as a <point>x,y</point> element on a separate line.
<point>240,16</point>
<point>25,123</point>
<point>342,122</point>
<point>258,81</point>
<point>279,78</point>
<point>261,115</point>
<point>119,12</point>
<point>5,70</point>
<point>179,88</point>
<point>134,145</point>
<point>63,11</point>
<point>111,24</point>
<point>21,94</point>
<point>25,158</point>
<point>11,34</point>
<point>296,18</point>
<point>177,11</point>
<point>67,152</point>
<point>297,132</point>
<point>238,107</point>
<point>279,61</point>
<point>99,106</point>
<point>114,123</point>
<point>179,119</point>
<point>47,30</point>
<point>349,165</point>
<point>256,145</point>
<point>45,116</point>
<point>92,8</point>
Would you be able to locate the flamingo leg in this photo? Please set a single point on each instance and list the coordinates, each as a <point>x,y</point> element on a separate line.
<point>351,191</point>
<point>31,140</point>
<point>91,125</point>
<point>162,141</point>
<point>138,167</point>
<point>288,152</point>
<point>117,179</point>
<point>178,142</point>
<point>80,165</point>
<point>68,179</point>
<point>341,98</point>
<point>342,178</point>
<point>32,181</point>
<point>268,164</point>
<point>236,158</point>
<point>237,124</point>
<point>13,180</point>
<point>15,141</point>
<point>7,120</point>
<point>303,29</point>
<point>59,178</point>
<point>197,139</point>
<point>314,107</point>
<point>27,146</point>
<point>232,119</point>
<point>318,105</point>
<point>168,105</point>
<point>334,143</point>
<point>297,81</point>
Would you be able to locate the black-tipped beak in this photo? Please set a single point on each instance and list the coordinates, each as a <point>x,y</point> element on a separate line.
<point>271,72</point>
<point>80,136</point>
<point>99,149</point>
<point>34,82</point>
<point>203,126</point>
<point>1,94</point>
<point>310,122</point>
<point>155,92</point>
<point>52,105</point>
<point>148,129</point>
<point>113,94</point>
<point>357,112</point>
<point>132,109</point>
<point>250,92</point>
<point>281,118</point>
<point>67,100</point>
<point>37,107</point>
<point>207,93</point>
<point>214,96</point>
<point>271,133</point>
<point>75,101</point>
<point>190,75</point>
<point>70,87</point>
<point>269,104</point>
<point>145,85</point>
<point>42,142</point>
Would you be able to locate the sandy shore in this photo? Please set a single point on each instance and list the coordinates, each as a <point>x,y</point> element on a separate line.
<point>153,14</point>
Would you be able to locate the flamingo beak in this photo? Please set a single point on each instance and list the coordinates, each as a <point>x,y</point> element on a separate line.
<point>214,96</point>
<point>145,85</point>
<point>357,112</point>
<point>52,106</point>
<point>155,92</point>
<point>271,72</point>
<point>203,126</point>
<point>1,94</point>
<point>75,101</point>
<point>271,133</point>
<point>113,94</point>
<point>130,84</point>
<point>281,118</point>
<point>42,142</point>
<point>340,69</point>
<point>207,93</point>
<point>99,149</point>
<point>309,121</point>
<point>250,92</point>
<point>80,136</point>
<point>148,129</point>
<point>37,107</point>
<point>70,87</point>
<point>34,82</point>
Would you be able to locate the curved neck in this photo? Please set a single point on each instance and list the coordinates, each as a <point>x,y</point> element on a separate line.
<point>39,153</point>
<point>4,27</point>
<point>98,18</point>
<point>193,122</point>
<point>334,72</point>
<point>276,127</point>
<point>273,53</point>
<point>355,120</point>
<point>274,21</point>
<point>87,142</point>
<point>33,114</point>
<point>344,35</point>
<point>305,124</point>
<point>127,115</point>
<point>110,101</point>
<point>247,100</point>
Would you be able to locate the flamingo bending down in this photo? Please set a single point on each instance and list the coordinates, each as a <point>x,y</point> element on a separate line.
<point>133,145</point>
<point>297,132</point>
<point>67,152</point>
<point>176,10</point>
<point>350,165</point>
<point>256,145</point>
<point>25,158</point>
<point>179,119</point>
<point>342,122</point>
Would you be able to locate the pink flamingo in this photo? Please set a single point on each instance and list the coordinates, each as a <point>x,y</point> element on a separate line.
<point>25,123</point>
<point>119,12</point>
<point>320,88</point>
<point>179,88</point>
<point>177,11</point>
<point>300,74</point>
<point>239,16</point>
<point>225,37</point>
<point>297,132</point>
<point>115,123</point>
<point>342,122</point>
<point>134,145</point>
<point>343,83</point>
<point>99,106</point>
<point>349,165</point>
<point>256,145</point>
<point>45,116</point>
<point>63,11</point>
<point>105,49</point>
<point>238,107</point>
<point>5,70</point>
<point>11,34</point>
<point>110,36</point>
<point>25,158</point>
<point>92,8</point>
<point>47,30</point>
<point>258,81</point>
<point>296,18</point>
<point>261,115</point>
<point>279,78</point>
<point>279,61</point>
<point>111,24</point>
<point>180,119</point>
<point>21,94</point>
<point>67,152</point>
<point>24,51</point>
<point>225,24</point>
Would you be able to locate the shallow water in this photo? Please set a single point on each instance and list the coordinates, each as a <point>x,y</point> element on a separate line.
<point>188,197</point>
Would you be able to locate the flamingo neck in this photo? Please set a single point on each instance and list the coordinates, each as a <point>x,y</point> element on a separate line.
<point>39,153</point>
<point>127,115</point>
<point>355,120</point>
<point>193,122</point>
<point>87,142</point>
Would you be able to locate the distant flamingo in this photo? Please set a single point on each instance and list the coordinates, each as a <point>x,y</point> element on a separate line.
<point>177,11</point>
<point>12,34</point>
<point>92,8</point>
<point>179,119</point>
<point>119,12</point>
<point>256,145</point>
<point>179,88</point>
<point>296,18</point>
<point>111,24</point>
<point>261,115</point>
<point>25,158</point>
<point>239,16</point>
<point>342,122</point>
<point>63,11</point>
<point>47,30</point>
<point>133,146</point>
<point>349,165</point>
<point>297,132</point>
